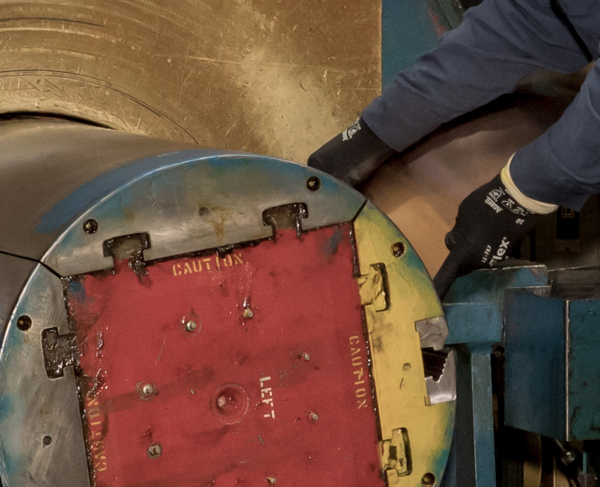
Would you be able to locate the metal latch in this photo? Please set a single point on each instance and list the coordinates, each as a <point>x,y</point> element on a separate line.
<point>286,217</point>
<point>374,288</point>
<point>60,351</point>
<point>396,456</point>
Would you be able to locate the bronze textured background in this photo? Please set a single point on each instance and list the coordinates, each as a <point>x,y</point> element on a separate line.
<point>275,77</point>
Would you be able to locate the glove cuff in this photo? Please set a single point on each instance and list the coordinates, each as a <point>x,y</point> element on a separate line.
<point>353,155</point>
<point>526,202</point>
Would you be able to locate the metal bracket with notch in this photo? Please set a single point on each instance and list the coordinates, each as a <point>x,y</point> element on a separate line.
<point>285,217</point>
<point>439,364</point>
<point>374,288</point>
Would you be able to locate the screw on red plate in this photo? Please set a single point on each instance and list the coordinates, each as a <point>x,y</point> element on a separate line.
<point>154,451</point>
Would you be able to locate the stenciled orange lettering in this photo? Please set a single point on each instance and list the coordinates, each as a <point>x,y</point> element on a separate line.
<point>359,372</point>
<point>93,413</point>
<point>92,402</point>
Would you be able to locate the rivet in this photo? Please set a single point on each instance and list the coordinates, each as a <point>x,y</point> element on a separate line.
<point>271,480</point>
<point>313,184</point>
<point>47,440</point>
<point>306,356</point>
<point>313,416</point>
<point>398,249</point>
<point>407,367</point>
<point>428,480</point>
<point>23,323</point>
<point>90,226</point>
<point>148,389</point>
<point>191,326</point>
<point>204,211</point>
<point>154,451</point>
<point>248,314</point>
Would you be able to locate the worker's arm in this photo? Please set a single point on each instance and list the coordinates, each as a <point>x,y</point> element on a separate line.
<point>561,167</point>
<point>498,44</point>
<point>491,223</point>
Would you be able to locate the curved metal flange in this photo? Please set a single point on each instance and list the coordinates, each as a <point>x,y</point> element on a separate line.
<point>410,419</point>
<point>18,271</point>
<point>190,201</point>
<point>41,433</point>
<point>186,202</point>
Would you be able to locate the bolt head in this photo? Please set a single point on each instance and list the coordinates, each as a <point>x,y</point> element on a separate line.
<point>155,451</point>
<point>428,480</point>
<point>398,249</point>
<point>191,326</point>
<point>313,183</point>
<point>90,226</point>
<point>24,323</point>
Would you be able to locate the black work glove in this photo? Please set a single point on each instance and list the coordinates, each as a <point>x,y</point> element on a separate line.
<point>353,155</point>
<point>489,225</point>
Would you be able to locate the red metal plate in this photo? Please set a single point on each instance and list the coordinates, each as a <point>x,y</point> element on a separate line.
<point>281,395</point>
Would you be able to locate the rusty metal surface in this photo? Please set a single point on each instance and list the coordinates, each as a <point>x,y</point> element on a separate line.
<point>271,77</point>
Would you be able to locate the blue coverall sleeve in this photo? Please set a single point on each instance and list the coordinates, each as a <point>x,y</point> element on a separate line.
<point>562,166</point>
<point>497,45</point>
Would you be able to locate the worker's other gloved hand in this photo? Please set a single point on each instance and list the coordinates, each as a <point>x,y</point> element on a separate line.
<point>490,224</point>
<point>353,155</point>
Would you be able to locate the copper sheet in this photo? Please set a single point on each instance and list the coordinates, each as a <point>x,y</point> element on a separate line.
<point>275,77</point>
